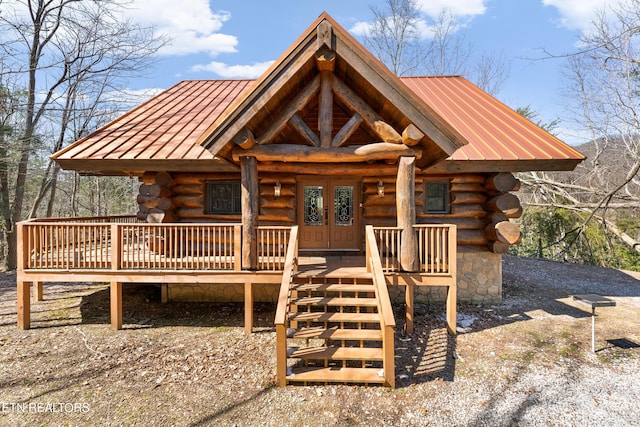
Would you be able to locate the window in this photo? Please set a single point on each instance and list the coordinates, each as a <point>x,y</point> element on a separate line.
<point>223,197</point>
<point>437,197</point>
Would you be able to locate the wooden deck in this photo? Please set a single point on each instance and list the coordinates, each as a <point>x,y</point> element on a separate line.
<point>119,250</point>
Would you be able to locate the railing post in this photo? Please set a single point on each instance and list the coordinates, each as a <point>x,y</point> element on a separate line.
<point>281,355</point>
<point>23,287</point>
<point>452,291</point>
<point>237,247</point>
<point>116,246</point>
<point>389,356</point>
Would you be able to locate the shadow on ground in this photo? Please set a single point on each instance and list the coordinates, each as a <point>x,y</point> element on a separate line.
<point>141,306</point>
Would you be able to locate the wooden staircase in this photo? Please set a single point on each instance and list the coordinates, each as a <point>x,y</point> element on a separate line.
<point>335,325</point>
<point>334,333</point>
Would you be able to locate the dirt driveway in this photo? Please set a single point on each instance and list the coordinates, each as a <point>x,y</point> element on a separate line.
<point>525,362</point>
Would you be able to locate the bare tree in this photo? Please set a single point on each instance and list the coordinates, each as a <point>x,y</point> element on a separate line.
<point>408,43</point>
<point>604,88</point>
<point>62,50</point>
<point>394,36</point>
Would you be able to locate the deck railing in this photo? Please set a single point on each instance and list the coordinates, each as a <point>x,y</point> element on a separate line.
<point>272,247</point>
<point>282,310</point>
<point>436,247</point>
<point>123,243</point>
<point>387,321</point>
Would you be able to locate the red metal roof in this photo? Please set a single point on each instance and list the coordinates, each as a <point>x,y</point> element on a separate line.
<point>495,132</point>
<point>169,126</point>
<point>166,127</point>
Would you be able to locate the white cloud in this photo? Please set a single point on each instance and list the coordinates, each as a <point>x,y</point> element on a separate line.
<point>578,14</point>
<point>361,28</point>
<point>457,8</point>
<point>190,24</point>
<point>234,71</point>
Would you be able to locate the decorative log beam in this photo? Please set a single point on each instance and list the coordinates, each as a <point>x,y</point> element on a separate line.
<point>348,97</point>
<point>411,135</point>
<point>499,247</point>
<point>503,231</point>
<point>324,35</point>
<point>325,109</point>
<point>301,153</point>
<point>304,130</point>
<point>501,182</point>
<point>347,130</point>
<point>331,169</point>
<point>406,211</point>
<point>326,59</point>
<point>296,105</point>
<point>507,204</point>
<point>154,190</point>
<point>245,139</point>
<point>387,132</point>
<point>249,202</point>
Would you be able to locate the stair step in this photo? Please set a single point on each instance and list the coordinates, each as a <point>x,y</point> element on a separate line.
<point>333,287</point>
<point>335,273</point>
<point>337,334</point>
<point>345,375</point>
<point>335,301</point>
<point>337,353</point>
<point>335,317</point>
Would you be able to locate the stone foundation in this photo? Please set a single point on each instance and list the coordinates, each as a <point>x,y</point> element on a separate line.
<point>479,282</point>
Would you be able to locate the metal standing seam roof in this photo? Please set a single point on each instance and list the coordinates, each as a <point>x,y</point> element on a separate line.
<point>495,132</point>
<point>166,127</point>
<point>169,125</point>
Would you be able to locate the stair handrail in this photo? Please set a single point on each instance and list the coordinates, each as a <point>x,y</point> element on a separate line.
<point>282,310</point>
<point>387,320</point>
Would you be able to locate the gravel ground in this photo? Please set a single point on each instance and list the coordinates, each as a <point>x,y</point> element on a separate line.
<point>526,361</point>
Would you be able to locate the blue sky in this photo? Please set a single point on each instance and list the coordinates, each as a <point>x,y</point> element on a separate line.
<point>240,38</point>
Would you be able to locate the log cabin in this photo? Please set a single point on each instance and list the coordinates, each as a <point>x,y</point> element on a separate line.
<point>400,182</point>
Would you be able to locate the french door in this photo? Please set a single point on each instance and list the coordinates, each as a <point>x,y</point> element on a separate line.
<point>328,214</point>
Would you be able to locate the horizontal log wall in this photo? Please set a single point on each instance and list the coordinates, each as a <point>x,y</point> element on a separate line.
<point>188,198</point>
<point>467,211</point>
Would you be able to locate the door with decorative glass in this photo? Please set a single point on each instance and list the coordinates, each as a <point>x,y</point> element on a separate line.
<point>328,214</point>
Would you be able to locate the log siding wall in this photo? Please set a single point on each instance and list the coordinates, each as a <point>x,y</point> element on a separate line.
<point>470,205</point>
<point>189,198</point>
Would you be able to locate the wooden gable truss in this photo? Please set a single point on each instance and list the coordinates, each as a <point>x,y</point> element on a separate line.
<point>327,100</point>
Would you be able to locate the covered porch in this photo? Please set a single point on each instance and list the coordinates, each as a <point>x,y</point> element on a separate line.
<point>121,249</point>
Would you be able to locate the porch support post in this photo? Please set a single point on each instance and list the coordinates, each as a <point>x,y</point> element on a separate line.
<point>23,287</point>
<point>409,308</point>
<point>250,206</point>
<point>406,210</point>
<point>24,305</point>
<point>37,291</point>
<point>116,305</point>
<point>248,307</point>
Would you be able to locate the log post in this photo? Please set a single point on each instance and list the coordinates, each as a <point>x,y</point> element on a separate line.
<point>325,109</point>
<point>250,207</point>
<point>406,211</point>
